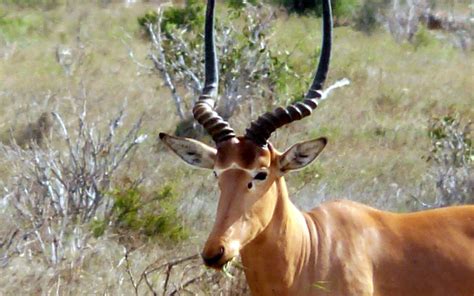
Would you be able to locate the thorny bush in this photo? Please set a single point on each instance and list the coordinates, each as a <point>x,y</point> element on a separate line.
<point>451,155</point>
<point>250,71</point>
<point>449,179</point>
<point>56,190</point>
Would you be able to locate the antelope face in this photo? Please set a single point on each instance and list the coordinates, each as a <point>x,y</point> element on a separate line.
<point>246,175</point>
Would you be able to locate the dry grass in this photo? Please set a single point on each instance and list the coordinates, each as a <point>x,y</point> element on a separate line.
<point>377,127</point>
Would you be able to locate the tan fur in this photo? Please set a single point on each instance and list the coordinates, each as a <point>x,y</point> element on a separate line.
<point>339,248</point>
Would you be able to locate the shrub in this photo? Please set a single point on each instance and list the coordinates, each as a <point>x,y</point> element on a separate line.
<point>13,28</point>
<point>340,8</point>
<point>452,154</point>
<point>422,38</point>
<point>365,19</point>
<point>157,216</point>
<point>57,189</point>
<point>98,227</point>
<point>190,16</point>
<point>451,141</point>
<point>371,15</point>
<point>451,157</point>
<point>240,3</point>
<point>250,70</point>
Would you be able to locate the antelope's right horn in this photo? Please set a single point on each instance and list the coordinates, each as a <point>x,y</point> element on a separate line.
<point>203,110</point>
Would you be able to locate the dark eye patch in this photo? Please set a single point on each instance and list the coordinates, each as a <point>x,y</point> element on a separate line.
<point>260,176</point>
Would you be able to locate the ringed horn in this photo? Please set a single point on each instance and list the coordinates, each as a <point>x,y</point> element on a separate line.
<point>261,129</point>
<point>203,110</point>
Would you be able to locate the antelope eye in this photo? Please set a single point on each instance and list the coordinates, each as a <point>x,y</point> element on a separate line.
<point>215,174</point>
<point>260,176</point>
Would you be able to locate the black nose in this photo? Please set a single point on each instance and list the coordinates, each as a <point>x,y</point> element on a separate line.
<point>213,259</point>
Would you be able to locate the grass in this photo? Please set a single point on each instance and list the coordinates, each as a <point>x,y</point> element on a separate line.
<point>377,127</point>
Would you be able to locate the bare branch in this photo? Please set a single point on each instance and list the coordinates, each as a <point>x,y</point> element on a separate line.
<point>160,63</point>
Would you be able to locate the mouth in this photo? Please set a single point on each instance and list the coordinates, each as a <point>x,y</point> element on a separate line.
<point>225,267</point>
<point>220,265</point>
<point>220,258</point>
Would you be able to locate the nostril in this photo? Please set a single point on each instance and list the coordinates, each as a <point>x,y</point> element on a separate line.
<point>213,259</point>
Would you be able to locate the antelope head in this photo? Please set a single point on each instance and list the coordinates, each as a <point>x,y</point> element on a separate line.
<point>249,170</point>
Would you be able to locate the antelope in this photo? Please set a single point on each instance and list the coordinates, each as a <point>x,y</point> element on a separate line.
<point>339,248</point>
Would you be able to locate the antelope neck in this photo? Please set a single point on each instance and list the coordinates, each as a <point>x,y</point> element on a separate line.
<point>282,254</point>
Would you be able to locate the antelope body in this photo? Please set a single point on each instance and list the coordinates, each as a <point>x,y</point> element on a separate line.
<point>339,248</point>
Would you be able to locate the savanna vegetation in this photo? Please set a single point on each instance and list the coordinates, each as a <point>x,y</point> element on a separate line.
<point>92,203</point>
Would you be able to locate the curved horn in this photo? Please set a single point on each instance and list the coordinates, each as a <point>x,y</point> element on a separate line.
<point>203,110</point>
<point>261,129</point>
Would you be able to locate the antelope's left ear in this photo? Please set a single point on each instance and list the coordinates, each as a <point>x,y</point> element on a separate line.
<point>301,154</point>
<point>191,151</point>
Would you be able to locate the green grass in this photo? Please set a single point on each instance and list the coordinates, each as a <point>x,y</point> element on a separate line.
<point>382,116</point>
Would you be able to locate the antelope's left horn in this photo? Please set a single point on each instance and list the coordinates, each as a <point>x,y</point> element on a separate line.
<point>261,129</point>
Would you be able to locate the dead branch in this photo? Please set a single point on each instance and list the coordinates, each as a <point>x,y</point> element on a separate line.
<point>54,191</point>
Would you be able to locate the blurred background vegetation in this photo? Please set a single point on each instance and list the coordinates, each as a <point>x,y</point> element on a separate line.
<point>92,203</point>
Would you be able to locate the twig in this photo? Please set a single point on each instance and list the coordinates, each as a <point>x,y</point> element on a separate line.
<point>8,242</point>
<point>129,272</point>
<point>188,282</point>
<point>160,63</point>
<point>131,54</point>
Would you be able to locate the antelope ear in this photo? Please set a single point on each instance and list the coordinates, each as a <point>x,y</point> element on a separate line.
<point>301,154</point>
<point>191,151</point>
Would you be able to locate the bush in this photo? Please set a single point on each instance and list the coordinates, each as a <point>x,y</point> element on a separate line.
<point>451,157</point>
<point>13,28</point>
<point>240,3</point>
<point>371,15</point>
<point>340,8</point>
<point>365,20</point>
<point>451,142</point>
<point>57,189</point>
<point>422,38</point>
<point>157,216</point>
<point>191,16</point>
<point>249,70</point>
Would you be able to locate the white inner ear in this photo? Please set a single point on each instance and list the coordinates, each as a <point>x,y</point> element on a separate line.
<point>191,151</point>
<point>300,155</point>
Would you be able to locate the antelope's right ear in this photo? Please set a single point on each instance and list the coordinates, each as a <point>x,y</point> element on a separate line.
<point>191,151</point>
